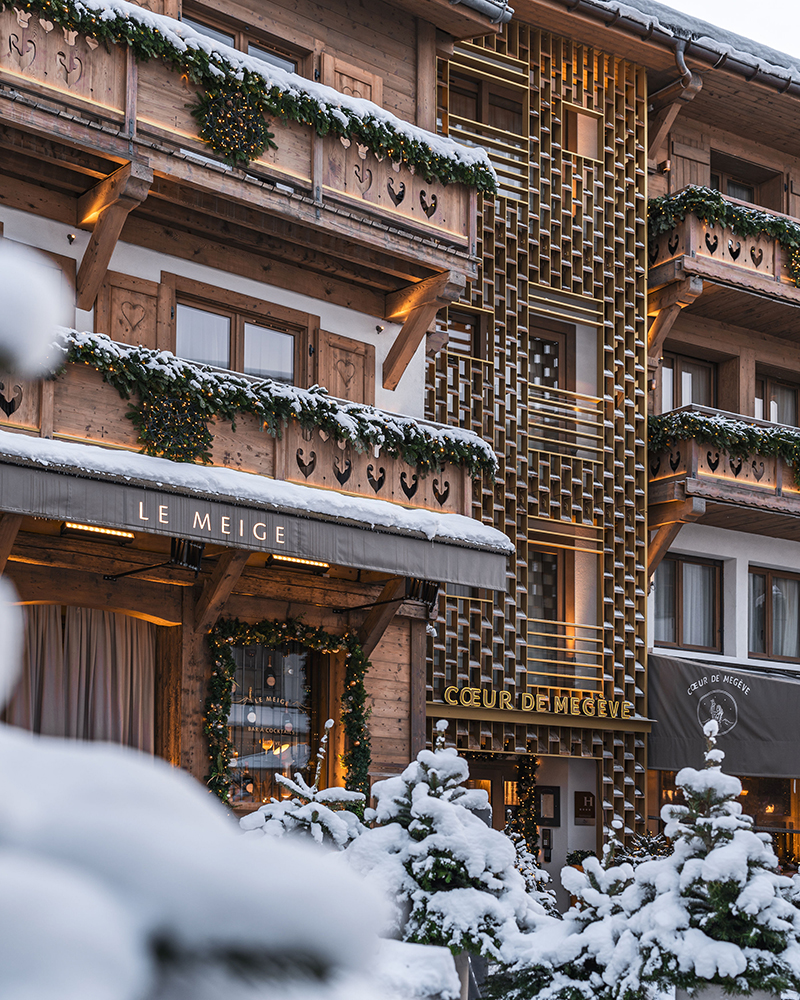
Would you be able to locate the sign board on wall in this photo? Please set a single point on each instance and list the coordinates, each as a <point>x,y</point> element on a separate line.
<point>584,809</point>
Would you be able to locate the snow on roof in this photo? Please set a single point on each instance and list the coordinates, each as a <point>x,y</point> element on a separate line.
<point>134,468</point>
<point>651,18</point>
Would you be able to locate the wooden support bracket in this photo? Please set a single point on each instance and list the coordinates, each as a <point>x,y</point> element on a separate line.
<point>665,105</point>
<point>378,618</point>
<point>667,303</point>
<point>217,589</point>
<point>417,304</point>
<point>9,526</point>
<point>105,208</point>
<point>666,534</point>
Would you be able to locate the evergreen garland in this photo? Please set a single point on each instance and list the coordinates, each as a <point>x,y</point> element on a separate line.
<point>666,212</point>
<point>232,632</point>
<point>735,438</point>
<point>178,398</point>
<point>232,122</point>
<point>525,820</point>
<point>137,30</point>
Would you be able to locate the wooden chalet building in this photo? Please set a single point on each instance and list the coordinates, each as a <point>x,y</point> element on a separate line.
<point>311,247</point>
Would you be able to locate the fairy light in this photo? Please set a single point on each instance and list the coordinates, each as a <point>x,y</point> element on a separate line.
<point>94,530</point>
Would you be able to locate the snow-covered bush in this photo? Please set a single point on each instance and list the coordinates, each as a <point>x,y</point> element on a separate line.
<point>123,879</point>
<point>714,911</point>
<point>319,814</point>
<point>452,877</point>
<point>535,877</point>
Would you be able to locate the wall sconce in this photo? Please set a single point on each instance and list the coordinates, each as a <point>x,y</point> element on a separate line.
<point>92,531</point>
<point>312,564</point>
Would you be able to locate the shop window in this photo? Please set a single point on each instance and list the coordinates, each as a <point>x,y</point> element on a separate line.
<point>774,622</point>
<point>687,380</point>
<point>776,401</point>
<point>688,612</point>
<point>745,181</point>
<point>270,720</point>
<point>87,675</point>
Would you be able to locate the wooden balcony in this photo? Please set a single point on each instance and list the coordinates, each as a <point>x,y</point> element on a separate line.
<point>96,100</point>
<point>695,482</point>
<point>79,406</point>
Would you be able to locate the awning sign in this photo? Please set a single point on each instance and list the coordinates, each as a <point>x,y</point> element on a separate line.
<point>758,715</point>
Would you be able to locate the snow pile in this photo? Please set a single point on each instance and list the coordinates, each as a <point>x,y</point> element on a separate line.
<point>712,912</point>
<point>34,306</point>
<point>409,971</point>
<point>123,879</point>
<point>319,814</point>
<point>452,877</point>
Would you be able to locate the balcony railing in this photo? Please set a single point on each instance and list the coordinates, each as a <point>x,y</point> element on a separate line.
<point>115,96</point>
<point>566,456</point>
<point>722,253</point>
<point>79,406</point>
<point>714,456</point>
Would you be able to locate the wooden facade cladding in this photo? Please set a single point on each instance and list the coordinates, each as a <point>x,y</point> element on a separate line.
<point>86,409</point>
<point>98,97</point>
<point>565,243</point>
<point>756,493</point>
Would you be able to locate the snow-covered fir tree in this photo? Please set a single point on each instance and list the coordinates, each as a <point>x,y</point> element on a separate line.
<point>535,877</point>
<point>452,876</point>
<point>319,814</point>
<point>645,847</point>
<point>715,911</point>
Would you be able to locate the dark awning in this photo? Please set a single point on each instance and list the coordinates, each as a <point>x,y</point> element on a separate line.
<point>388,541</point>
<point>758,713</point>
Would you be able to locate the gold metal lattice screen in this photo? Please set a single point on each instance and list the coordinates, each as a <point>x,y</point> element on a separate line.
<point>563,242</point>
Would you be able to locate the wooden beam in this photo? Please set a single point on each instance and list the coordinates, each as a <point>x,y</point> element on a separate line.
<point>690,510</point>
<point>666,104</point>
<point>106,206</point>
<point>419,303</point>
<point>671,511</point>
<point>9,526</point>
<point>439,288</point>
<point>217,589</point>
<point>667,303</point>
<point>378,618</point>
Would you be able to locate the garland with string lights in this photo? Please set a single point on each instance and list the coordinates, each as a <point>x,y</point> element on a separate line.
<point>151,36</point>
<point>735,438</point>
<point>178,398</point>
<point>710,207</point>
<point>232,122</point>
<point>355,714</point>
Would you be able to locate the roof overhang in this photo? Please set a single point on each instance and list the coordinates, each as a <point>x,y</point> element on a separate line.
<point>72,482</point>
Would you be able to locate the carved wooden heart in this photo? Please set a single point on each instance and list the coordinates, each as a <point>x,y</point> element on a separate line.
<point>346,371</point>
<point>132,313</point>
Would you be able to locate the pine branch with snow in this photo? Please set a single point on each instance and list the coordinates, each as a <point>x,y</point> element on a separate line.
<point>535,877</point>
<point>319,814</point>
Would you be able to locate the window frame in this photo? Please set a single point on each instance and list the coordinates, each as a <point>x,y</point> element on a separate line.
<point>767,184</point>
<point>300,51</point>
<point>767,381</point>
<point>717,623</point>
<point>677,359</point>
<point>768,637</point>
<point>244,309</point>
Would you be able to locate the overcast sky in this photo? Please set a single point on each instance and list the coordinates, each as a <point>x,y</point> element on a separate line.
<point>772,22</point>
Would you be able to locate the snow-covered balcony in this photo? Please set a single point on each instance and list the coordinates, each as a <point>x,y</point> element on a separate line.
<point>137,86</point>
<point>724,470</point>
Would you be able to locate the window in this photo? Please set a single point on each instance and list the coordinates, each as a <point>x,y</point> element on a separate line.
<point>688,612</point>
<point>774,625</point>
<point>583,132</point>
<point>776,401</point>
<point>227,330</point>
<point>687,380</point>
<point>465,331</point>
<point>545,617</point>
<point>270,720</point>
<point>277,53</point>
<point>746,181</point>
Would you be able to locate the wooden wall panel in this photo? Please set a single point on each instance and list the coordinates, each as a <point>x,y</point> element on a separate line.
<point>127,310</point>
<point>346,367</point>
<point>389,693</point>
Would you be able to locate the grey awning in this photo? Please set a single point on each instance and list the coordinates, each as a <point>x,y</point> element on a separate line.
<point>118,501</point>
<point>758,712</point>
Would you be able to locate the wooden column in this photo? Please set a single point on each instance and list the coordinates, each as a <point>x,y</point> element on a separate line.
<point>9,526</point>
<point>426,75</point>
<point>417,700</point>
<point>169,659</point>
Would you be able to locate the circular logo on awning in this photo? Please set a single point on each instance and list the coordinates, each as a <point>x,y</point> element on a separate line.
<point>721,707</point>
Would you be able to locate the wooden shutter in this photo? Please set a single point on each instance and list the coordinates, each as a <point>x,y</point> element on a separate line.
<point>346,367</point>
<point>689,165</point>
<point>127,309</point>
<point>350,79</point>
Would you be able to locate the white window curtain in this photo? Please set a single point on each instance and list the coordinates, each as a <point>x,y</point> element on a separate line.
<point>698,605</point>
<point>786,617</point>
<point>93,680</point>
